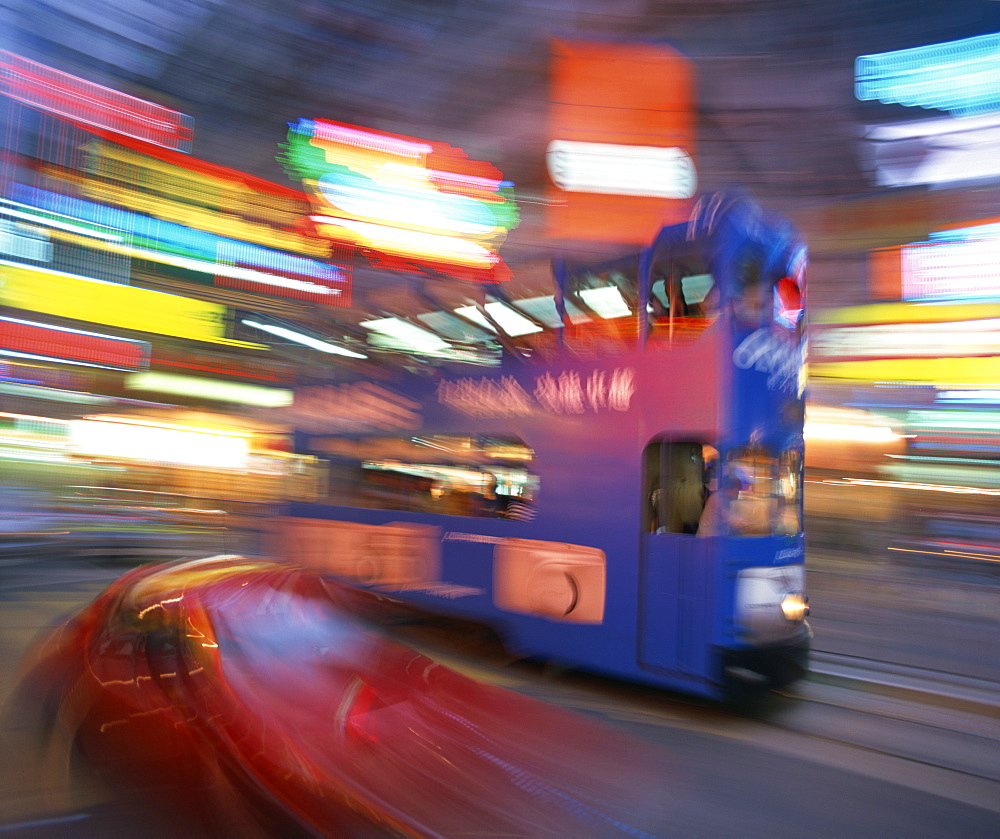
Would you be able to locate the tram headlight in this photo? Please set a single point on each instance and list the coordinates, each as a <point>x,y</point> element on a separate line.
<point>795,606</point>
<point>771,605</point>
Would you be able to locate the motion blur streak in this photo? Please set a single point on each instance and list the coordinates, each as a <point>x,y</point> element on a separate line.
<point>926,487</point>
<point>218,680</point>
<point>947,553</point>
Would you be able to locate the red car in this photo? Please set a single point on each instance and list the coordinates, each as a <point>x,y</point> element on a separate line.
<point>260,694</point>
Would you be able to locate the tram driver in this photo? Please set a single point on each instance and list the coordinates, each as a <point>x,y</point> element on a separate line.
<point>733,510</point>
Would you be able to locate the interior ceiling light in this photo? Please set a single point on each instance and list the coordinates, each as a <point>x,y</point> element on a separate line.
<point>452,328</point>
<point>305,340</point>
<point>510,321</point>
<point>407,334</point>
<point>606,301</point>
<point>544,309</point>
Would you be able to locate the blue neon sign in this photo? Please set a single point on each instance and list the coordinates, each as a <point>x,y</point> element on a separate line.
<point>962,77</point>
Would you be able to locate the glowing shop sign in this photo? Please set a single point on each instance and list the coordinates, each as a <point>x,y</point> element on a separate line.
<point>956,76</point>
<point>127,307</point>
<point>944,344</point>
<point>616,169</point>
<point>73,98</point>
<point>160,442</point>
<point>621,132</point>
<point>403,201</point>
<point>28,339</point>
<point>214,389</point>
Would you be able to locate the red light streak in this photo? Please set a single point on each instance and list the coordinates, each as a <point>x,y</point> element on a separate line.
<point>230,371</point>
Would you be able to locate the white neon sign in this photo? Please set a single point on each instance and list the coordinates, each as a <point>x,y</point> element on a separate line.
<point>958,269</point>
<point>615,169</point>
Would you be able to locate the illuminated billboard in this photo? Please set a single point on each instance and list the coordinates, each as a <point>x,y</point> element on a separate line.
<point>405,203</point>
<point>621,141</point>
<point>69,97</point>
<point>80,298</point>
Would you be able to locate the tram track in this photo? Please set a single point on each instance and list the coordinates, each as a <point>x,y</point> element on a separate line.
<point>929,732</point>
<point>898,724</point>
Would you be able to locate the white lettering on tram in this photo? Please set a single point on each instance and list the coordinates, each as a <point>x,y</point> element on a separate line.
<point>568,392</point>
<point>456,536</point>
<point>486,397</point>
<point>769,353</point>
<point>451,591</point>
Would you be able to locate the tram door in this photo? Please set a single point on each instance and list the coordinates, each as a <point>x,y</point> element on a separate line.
<point>675,581</point>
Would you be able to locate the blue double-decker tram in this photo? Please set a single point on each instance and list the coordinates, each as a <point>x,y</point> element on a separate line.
<point>622,491</point>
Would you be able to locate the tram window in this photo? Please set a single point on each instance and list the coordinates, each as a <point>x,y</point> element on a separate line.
<point>751,304</point>
<point>682,299</point>
<point>677,475</point>
<point>761,495</point>
<point>609,300</point>
<point>763,295</point>
<point>457,475</point>
<point>789,519</point>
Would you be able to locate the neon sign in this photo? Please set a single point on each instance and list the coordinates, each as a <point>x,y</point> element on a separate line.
<point>956,76</point>
<point>233,263</point>
<point>405,202</point>
<point>73,98</point>
<point>192,192</point>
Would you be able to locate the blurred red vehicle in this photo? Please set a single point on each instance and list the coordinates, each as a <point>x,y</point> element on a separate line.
<point>258,692</point>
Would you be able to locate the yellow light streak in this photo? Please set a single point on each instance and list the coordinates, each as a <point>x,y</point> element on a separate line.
<point>959,490</point>
<point>941,372</point>
<point>848,431</point>
<point>219,432</point>
<point>944,553</point>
